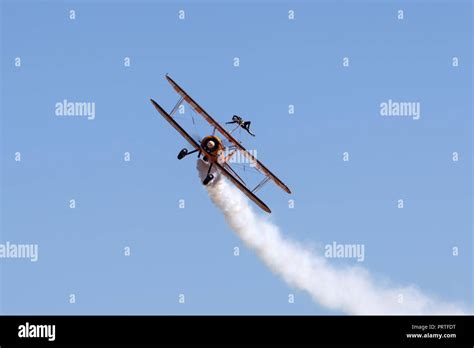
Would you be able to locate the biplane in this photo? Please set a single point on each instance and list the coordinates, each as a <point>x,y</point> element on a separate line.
<point>214,151</point>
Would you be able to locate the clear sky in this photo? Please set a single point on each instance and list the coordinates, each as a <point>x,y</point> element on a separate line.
<point>299,62</point>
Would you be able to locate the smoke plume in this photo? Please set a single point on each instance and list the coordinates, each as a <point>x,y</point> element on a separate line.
<point>350,289</point>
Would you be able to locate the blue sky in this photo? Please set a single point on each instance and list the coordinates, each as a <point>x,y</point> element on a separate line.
<point>282,62</point>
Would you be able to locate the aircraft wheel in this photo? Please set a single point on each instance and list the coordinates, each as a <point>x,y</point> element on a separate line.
<point>208,179</point>
<point>182,153</point>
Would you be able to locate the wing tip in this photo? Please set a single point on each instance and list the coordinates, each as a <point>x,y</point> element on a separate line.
<point>264,207</point>
<point>284,187</point>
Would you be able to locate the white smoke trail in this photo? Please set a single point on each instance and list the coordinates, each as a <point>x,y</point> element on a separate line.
<point>350,290</point>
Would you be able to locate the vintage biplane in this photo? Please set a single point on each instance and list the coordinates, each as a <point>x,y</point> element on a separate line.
<point>215,151</point>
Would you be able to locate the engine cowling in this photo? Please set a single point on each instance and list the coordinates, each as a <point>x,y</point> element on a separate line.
<point>211,145</point>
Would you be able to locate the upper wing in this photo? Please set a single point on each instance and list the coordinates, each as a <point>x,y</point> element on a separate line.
<point>175,125</point>
<point>224,132</point>
<point>242,188</point>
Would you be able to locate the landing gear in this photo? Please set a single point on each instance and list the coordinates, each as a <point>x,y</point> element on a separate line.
<point>209,176</point>
<point>208,179</point>
<point>184,152</point>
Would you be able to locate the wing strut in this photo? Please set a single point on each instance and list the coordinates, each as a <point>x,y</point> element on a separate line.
<point>260,185</point>
<point>176,106</point>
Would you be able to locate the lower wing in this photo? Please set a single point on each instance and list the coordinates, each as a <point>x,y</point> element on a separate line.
<point>175,125</point>
<point>243,188</point>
